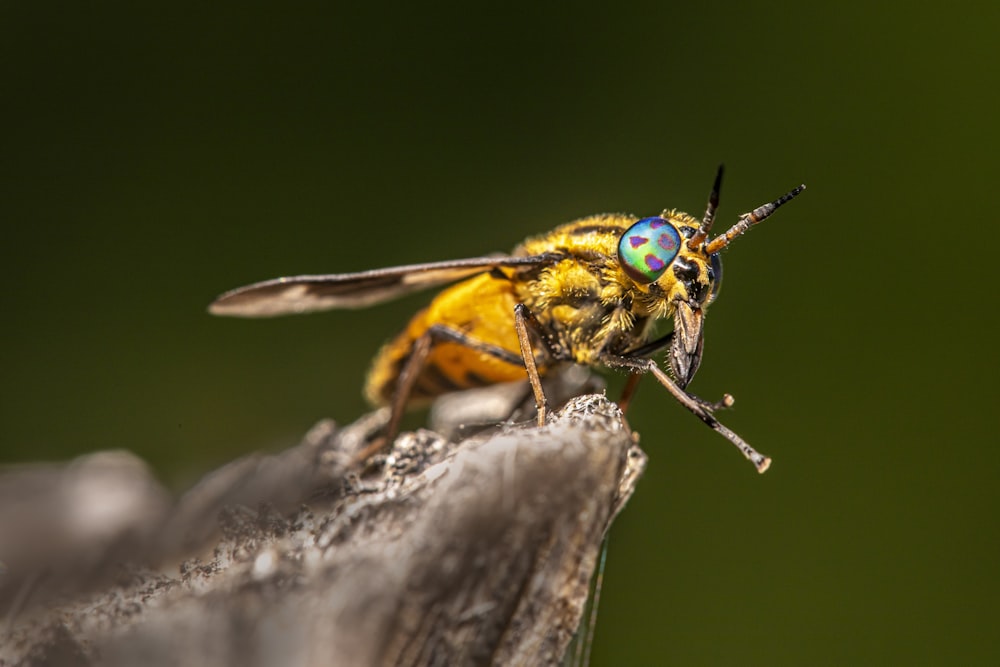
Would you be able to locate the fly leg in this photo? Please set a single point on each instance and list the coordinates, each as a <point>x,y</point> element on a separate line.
<point>523,319</point>
<point>404,386</point>
<point>412,368</point>
<point>632,384</point>
<point>628,392</point>
<point>698,407</point>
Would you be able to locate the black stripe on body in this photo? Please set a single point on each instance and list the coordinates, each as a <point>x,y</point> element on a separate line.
<point>614,230</point>
<point>433,382</point>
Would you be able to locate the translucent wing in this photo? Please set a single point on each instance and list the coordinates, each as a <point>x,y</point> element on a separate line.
<point>307,294</point>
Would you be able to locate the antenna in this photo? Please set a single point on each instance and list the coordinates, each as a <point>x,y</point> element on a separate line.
<point>748,220</point>
<point>713,203</point>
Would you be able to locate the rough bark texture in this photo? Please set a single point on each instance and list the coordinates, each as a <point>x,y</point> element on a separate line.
<point>438,554</point>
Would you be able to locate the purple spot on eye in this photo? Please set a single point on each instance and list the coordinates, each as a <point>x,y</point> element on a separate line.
<point>655,223</point>
<point>637,241</point>
<point>667,242</point>
<point>653,262</point>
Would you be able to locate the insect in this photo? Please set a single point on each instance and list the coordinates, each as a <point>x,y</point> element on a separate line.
<point>588,292</point>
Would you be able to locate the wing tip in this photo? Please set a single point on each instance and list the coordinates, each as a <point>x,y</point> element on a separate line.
<point>273,298</point>
<point>229,304</point>
<point>249,301</point>
<point>219,307</point>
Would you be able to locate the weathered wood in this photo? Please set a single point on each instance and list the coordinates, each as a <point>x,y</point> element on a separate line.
<point>440,554</point>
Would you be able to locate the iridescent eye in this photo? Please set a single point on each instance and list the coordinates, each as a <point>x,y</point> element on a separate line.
<point>716,276</point>
<point>647,248</point>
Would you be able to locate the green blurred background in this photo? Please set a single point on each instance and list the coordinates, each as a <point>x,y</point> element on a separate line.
<point>155,154</point>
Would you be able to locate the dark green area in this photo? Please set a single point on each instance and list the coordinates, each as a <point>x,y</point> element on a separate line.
<point>156,154</point>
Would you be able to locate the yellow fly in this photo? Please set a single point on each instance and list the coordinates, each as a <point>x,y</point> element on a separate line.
<point>588,292</point>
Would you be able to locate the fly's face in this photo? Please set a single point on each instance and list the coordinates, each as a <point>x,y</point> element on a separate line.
<point>670,257</point>
<point>658,256</point>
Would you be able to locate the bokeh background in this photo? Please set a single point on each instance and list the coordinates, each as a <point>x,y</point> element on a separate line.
<point>155,154</point>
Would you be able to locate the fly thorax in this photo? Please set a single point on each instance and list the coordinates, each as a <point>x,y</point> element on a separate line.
<point>566,283</point>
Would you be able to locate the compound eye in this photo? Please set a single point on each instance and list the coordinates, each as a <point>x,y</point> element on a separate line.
<point>647,248</point>
<point>716,276</point>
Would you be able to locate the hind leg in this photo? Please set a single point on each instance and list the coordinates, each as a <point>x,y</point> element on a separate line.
<point>415,364</point>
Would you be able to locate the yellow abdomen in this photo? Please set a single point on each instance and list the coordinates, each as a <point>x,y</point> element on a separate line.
<point>480,309</point>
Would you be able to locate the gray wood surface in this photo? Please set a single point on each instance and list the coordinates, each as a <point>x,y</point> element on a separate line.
<point>437,553</point>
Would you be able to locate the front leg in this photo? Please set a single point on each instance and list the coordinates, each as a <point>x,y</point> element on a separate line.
<point>648,350</point>
<point>632,384</point>
<point>699,408</point>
